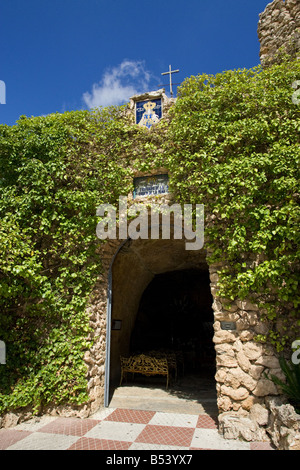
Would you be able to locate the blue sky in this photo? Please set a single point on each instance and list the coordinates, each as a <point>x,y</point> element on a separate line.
<point>63,55</point>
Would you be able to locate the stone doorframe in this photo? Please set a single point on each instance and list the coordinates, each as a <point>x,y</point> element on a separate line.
<point>241,362</point>
<point>108,328</point>
<point>154,257</point>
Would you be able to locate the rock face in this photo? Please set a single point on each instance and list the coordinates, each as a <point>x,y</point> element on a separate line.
<point>234,427</point>
<point>279,27</point>
<point>284,425</point>
<point>241,361</point>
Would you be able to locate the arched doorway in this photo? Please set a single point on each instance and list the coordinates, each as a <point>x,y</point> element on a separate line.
<point>159,298</point>
<point>175,313</point>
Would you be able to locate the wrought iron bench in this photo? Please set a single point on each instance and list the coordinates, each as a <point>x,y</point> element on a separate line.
<point>143,364</point>
<point>171,360</point>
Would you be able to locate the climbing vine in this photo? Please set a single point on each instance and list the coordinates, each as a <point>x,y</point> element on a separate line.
<point>232,144</point>
<point>56,170</point>
<point>235,148</point>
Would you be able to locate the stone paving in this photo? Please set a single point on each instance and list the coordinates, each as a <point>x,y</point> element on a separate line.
<point>123,429</point>
<point>139,417</point>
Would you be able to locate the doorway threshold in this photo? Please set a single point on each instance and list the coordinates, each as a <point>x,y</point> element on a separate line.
<point>190,395</point>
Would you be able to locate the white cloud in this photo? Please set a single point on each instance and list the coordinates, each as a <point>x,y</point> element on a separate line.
<point>118,84</point>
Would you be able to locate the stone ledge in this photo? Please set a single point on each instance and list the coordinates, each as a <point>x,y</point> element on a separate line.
<point>284,424</point>
<point>275,421</point>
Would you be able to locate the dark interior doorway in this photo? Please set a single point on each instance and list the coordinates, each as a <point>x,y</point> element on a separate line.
<point>175,313</point>
<point>161,300</point>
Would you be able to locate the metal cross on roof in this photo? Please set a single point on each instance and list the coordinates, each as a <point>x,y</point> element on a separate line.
<point>170,73</point>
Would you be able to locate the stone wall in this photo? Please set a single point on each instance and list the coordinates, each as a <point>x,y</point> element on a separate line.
<point>283,425</point>
<point>279,27</point>
<point>242,388</point>
<point>95,357</point>
<point>243,391</point>
<point>241,361</point>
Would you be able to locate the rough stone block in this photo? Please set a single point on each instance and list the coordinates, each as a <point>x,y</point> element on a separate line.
<point>259,414</point>
<point>233,427</point>
<point>264,388</point>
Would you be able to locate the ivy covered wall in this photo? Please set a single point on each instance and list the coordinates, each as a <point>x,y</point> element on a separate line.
<point>230,142</point>
<point>235,147</point>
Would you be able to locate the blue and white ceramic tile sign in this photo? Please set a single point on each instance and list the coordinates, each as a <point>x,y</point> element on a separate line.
<point>148,112</point>
<point>151,185</point>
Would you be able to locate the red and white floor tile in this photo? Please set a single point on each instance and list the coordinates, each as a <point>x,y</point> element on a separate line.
<point>123,429</point>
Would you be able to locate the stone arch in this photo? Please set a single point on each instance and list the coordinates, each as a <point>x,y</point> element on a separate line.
<point>241,362</point>
<point>243,391</point>
<point>135,264</point>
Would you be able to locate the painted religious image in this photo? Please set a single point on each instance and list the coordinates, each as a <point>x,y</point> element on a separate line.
<point>148,112</point>
<point>148,185</point>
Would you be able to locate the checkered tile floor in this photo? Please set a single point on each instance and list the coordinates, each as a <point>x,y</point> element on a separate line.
<point>120,429</point>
